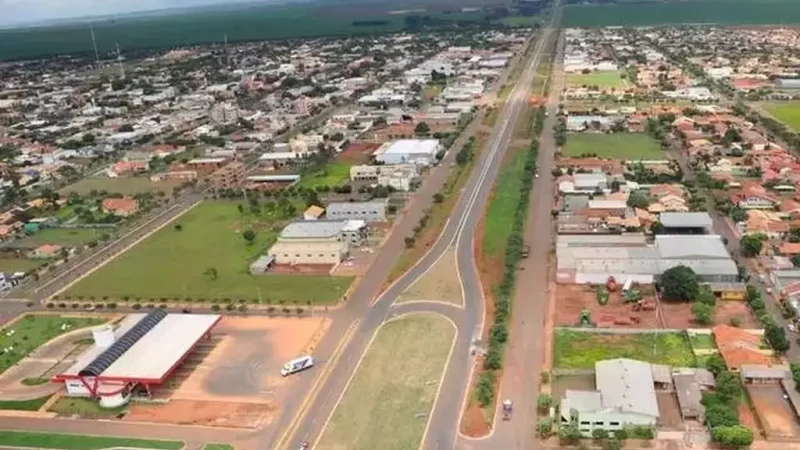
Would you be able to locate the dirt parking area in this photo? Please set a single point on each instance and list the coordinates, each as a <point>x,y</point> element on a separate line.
<point>669,412</point>
<point>773,412</point>
<point>571,299</point>
<point>358,151</point>
<point>234,378</point>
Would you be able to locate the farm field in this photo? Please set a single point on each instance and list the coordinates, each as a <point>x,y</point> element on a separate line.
<point>66,237</point>
<point>333,174</point>
<point>613,146</point>
<point>80,442</point>
<point>31,331</point>
<point>786,112</point>
<point>244,22</point>
<point>580,350</point>
<point>605,79</point>
<point>210,261</point>
<point>724,12</point>
<point>122,185</point>
<point>393,390</point>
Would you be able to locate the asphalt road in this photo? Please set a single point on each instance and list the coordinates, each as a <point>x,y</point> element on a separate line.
<point>459,232</point>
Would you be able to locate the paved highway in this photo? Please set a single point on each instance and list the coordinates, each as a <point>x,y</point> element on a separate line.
<point>459,232</point>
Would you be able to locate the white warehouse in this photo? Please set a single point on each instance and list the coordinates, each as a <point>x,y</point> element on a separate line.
<point>421,152</point>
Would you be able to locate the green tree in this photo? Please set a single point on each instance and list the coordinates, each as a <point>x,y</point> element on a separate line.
<point>738,214</point>
<point>543,402</point>
<point>637,199</point>
<point>211,273</point>
<point>569,434</point>
<point>776,336</point>
<point>752,244</point>
<point>703,313</point>
<point>734,436</point>
<point>728,386</point>
<point>88,138</point>
<point>544,428</point>
<point>249,236</point>
<point>422,128</point>
<point>612,444</point>
<point>679,283</point>
<point>715,364</point>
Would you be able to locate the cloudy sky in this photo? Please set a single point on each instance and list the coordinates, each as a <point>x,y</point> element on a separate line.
<point>16,12</point>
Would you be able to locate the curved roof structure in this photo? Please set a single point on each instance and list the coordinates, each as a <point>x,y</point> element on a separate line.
<point>123,344</point>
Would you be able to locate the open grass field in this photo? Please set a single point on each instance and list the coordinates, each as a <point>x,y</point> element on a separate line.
<point>605,79</point>
<point>80,442</point>
<point>702,341</point>
<point>786,112</point>
<point>503,204</point>
<point>31,331</point>
<point>730,12</point>
<point>390,397</point>
<point>210,238</point>
<point>613,146</point>
<point>19,264</point>
<point>333,174</point>
<point>122,185</point>
<point>24,405</point>
<point>580,350</point>
<point>65,237</point>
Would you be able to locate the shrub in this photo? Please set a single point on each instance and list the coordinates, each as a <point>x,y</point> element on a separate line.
<point>485,389</point>
<point>62,305</point>
<point>229,307</point>
<point>137,306</point>
<point>599,434</point>
<point>50,305</point>
<point>543,402</point>
<point>612,444</point>
<point>111,305</point>
<point>621,434</point>
<point>215,307</point>
<point>544,428</point>
<point>150,306</point>
<point>242,308</point>
<point>162,306</point>
<point>299,311</point>
<point>646,433</point>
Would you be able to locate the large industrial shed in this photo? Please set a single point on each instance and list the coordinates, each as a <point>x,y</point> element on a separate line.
<point>144,349</point>
<point>588,261</point>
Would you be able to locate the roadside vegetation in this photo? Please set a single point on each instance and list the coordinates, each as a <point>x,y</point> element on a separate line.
<point>80,442</point>
<point>32,330</point>
<point>581,349</point>
<point>392,392</point>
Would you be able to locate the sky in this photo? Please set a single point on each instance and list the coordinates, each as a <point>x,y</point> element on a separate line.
<point>21,12</point>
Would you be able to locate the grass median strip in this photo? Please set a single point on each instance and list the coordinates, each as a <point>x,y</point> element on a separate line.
<point>389,399</point>
<point>80,442</point>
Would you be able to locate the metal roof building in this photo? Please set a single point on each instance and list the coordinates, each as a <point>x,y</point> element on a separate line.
<point>685,220</point>
<point>143,349</point>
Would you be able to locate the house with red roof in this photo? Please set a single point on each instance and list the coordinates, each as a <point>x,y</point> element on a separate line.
<point>122,207</point>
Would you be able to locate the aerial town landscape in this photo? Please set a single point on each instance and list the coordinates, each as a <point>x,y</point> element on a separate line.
<point>440,225</point>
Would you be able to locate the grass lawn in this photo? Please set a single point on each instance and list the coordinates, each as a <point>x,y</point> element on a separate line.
<point>24,405</point>
<point>83,407</point>
<point>217,447</point>
<point>580,350</point>
<point>35,381</point>
<point>211,237</point>
<point>786,112</point>
<point>604,79</point>
<point>497,222</point>
<point>613,146</point>
<point>122,185</point>
<point>393,390</point>
<point>66,237</point>
<point>333,174</point>
<point>702,341</point>
<point>80,442</point>
<point>19,264</point>
<point>31,331</point>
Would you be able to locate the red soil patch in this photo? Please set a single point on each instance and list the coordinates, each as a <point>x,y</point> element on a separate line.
<point>679,314</point>
<point>301,269</point>
<point>571,299</point>
<point>358,151</point>
<point>727,310</point>
<point>748,419</point>
<point>214,414</point>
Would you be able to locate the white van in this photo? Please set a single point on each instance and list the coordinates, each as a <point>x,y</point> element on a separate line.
<point>296,365</point>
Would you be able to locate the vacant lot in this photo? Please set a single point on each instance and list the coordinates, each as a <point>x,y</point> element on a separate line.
<point>775,413</point>
<point>208,259</point>
<point>122,185</point>
<point>393,390</point>
<point>33,330</point>
<point>333,174</point>
<point>580,350</point>
<point>19,264</point>
<point>80,442</point>
<point>613,146</point>
<point>574,298</point>
<point>65,237</point>
<point>786,112</point>
<point>605,79</point>
<point>731,12</point>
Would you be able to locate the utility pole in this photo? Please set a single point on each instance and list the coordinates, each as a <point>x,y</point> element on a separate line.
<point>119,63</point>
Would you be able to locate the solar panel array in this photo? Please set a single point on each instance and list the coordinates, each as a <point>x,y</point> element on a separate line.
<point>125,342</point>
